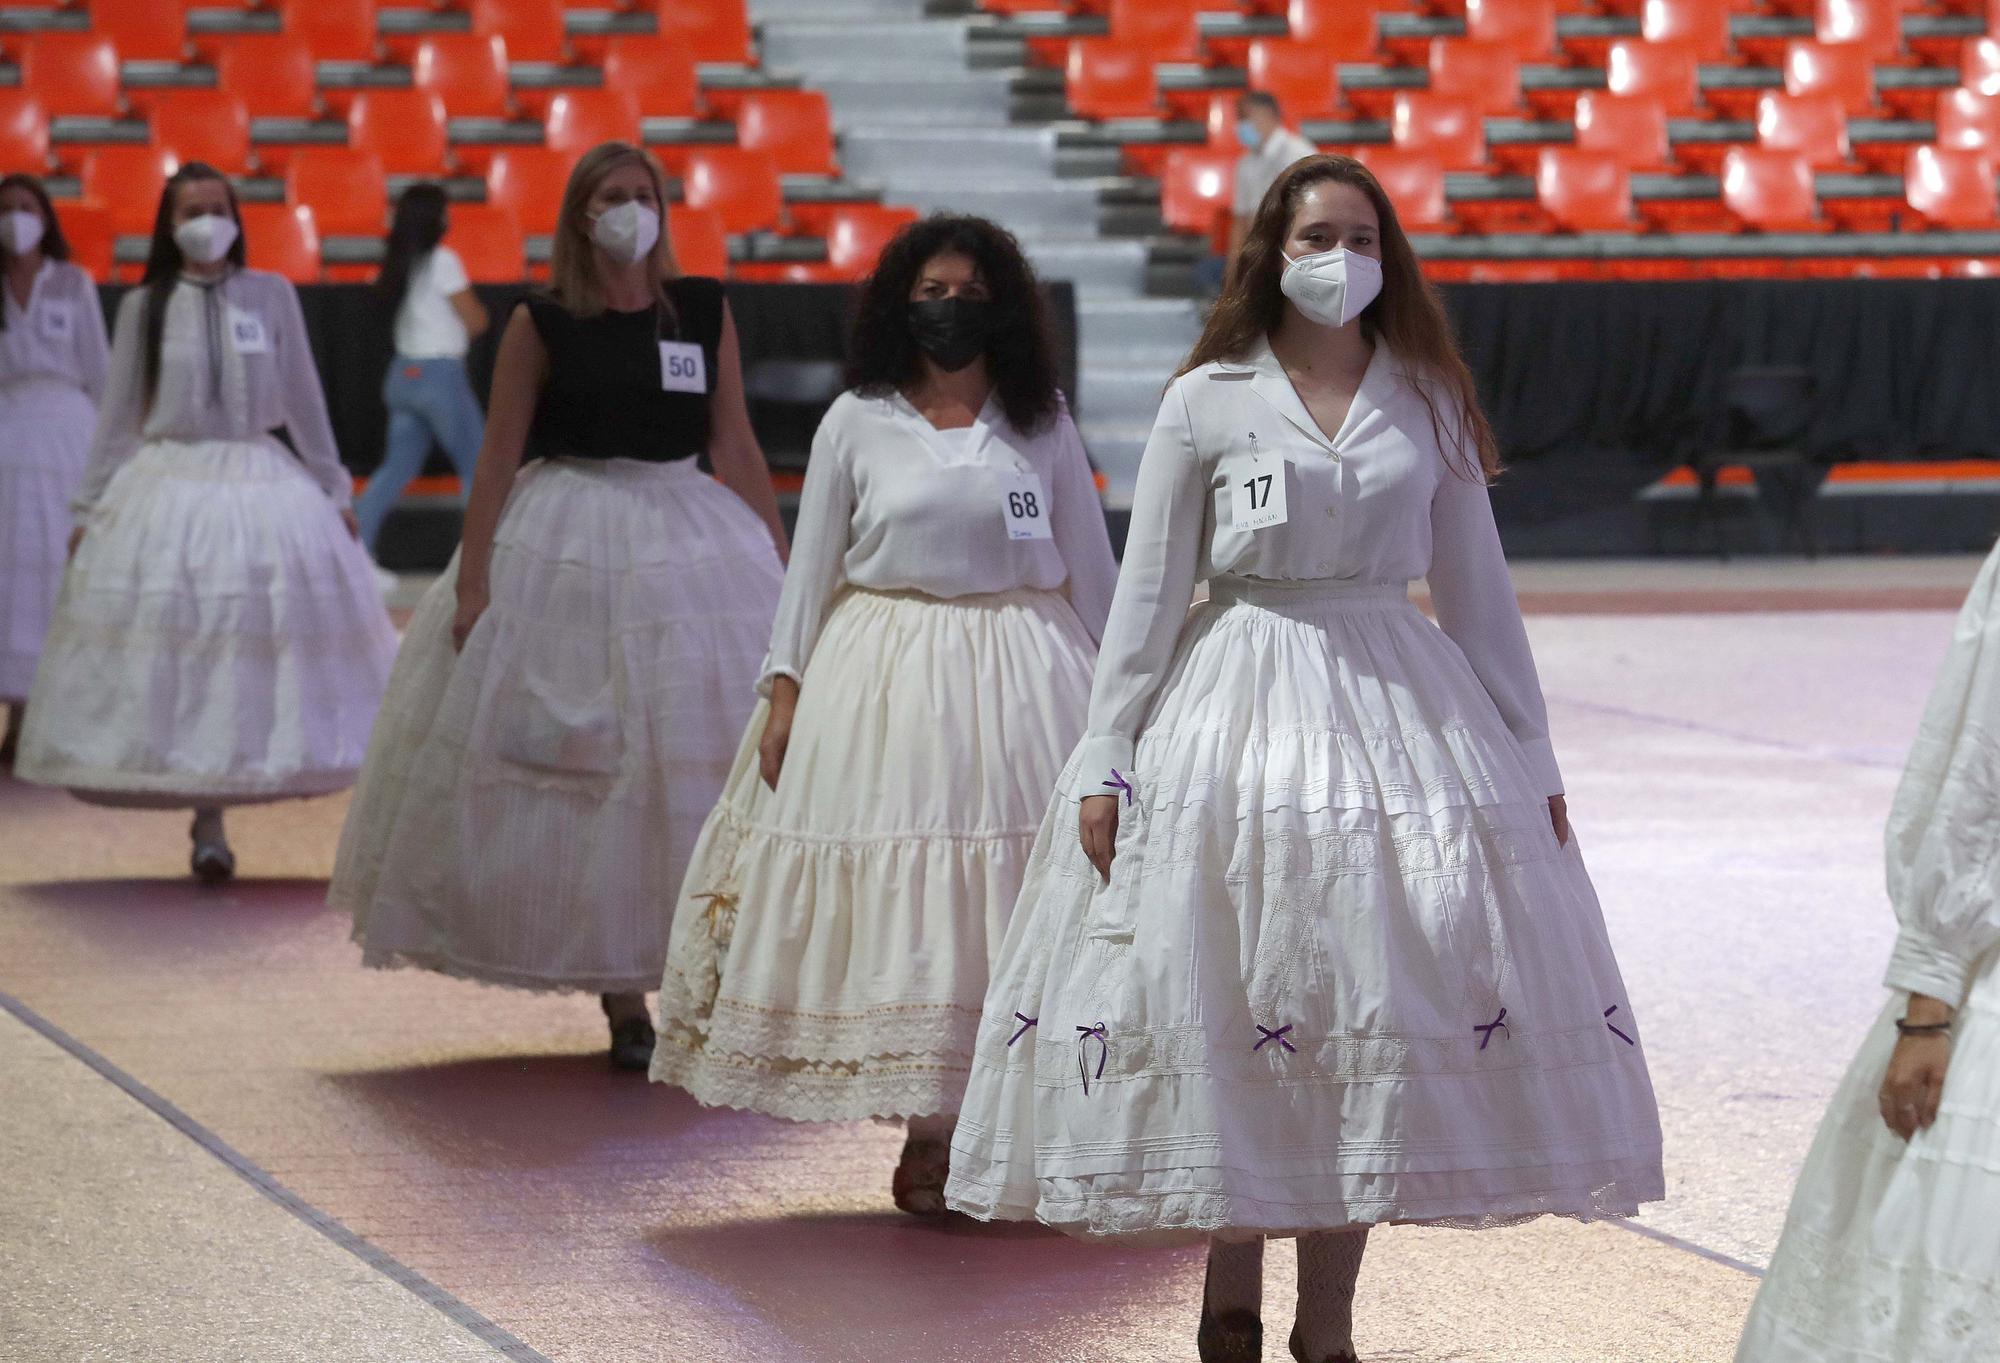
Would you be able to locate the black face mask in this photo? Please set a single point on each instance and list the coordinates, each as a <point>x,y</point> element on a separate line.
<point>952,331</point>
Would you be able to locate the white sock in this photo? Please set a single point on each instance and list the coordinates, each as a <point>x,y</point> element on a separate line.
<point>1329,1263</point>
<point>1235,1279</point>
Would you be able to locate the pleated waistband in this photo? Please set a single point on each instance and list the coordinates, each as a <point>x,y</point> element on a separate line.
<point>1012,596</point>
<point>1313,596</point>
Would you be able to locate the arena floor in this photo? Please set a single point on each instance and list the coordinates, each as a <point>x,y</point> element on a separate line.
<point>224,1141</point>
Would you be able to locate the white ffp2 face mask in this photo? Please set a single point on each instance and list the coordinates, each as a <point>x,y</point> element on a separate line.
<point>1332,287</point>
<point>21,231</point>
<point>206,239</point>
<point>627,232</point>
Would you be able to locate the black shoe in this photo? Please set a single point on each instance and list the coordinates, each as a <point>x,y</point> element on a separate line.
<point>212,862</point>
<point>1229,1337</point>
<point>631,1040</point>
<point>917,1187</point>
<point>1298,1349</point>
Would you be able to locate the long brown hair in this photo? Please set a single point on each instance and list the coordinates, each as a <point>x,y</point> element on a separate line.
<point>573,278</point>
<point>164,262</point>
<point>54,245</point>
<point>1408,316</point>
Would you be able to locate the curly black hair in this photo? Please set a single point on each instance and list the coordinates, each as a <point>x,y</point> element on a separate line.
<point>1019,355</point>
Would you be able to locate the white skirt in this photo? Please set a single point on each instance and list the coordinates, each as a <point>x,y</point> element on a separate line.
<point>1890,1251</point>
<point>219,638</point>
<point>45,430</point>
<point>1343,973</point>
<point>528,806</point>
<point>831,949</point>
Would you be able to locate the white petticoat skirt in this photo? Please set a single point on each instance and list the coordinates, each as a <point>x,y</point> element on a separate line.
<point>45,430</point>
<point>831,949</point>
<point>1343,973</point>
<point>219,638</point>
<point>528,805</point>
<point>1890,1252</point>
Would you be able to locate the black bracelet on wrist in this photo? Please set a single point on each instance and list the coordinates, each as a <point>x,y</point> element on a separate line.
<point>1908,1028</point>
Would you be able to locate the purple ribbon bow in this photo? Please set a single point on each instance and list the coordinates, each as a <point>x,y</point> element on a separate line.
<point>1118,782</point>
<point>1084,1034</point>
<point>1614,1027</point>
<point>1022,1030</point>
<point>1277,1036</point>
<point>1487,1029</point>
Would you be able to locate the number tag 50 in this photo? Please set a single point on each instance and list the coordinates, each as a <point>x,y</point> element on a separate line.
<point>683,368</point>
<point>1256,491</point>
<point>1024,505</point>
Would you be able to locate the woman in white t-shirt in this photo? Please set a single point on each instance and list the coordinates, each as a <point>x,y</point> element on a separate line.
<point>430,400</point>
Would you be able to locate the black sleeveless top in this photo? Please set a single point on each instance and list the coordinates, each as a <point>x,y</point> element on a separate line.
<point>603,398</point>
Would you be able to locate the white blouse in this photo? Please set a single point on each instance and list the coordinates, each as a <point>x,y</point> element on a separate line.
<point>891,503</point>
<point>59,335</point>
<point>1944,825</point>
<point>234,365</point>
<point>1377,503</point>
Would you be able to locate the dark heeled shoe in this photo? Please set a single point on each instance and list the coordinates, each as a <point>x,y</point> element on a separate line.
<point>917,1187</point>
<point>632,1041</point>
<point>212,862</point>
<point>1298,1349</point>
<point>1229,1336</point>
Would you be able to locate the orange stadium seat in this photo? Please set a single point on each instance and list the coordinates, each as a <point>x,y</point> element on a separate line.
<point>488,240</point>
<point>1528,27</point>
<point>657,72</point>
<point>1665,71</point>
<point>1979,64</point>
<point>1414,183</point>
<point>93,242</point>
<point>1170,30</point>
<point>345,188</point>
<point>406,128</point>
<point>1197,187</point>
<point>856,235</point>
<point>1633,128</point>
<point>1876,24</point>
<point>127,179</point>
<point>284,238</point>
<point>1302,77</point>
<point>528,182</point>
<point>1345,29</point>
<point>1584,191</point>
<point>1103,78</point>
<point>468,71</point>
<point>740,185</point>
<point>1814,126</point>
<point>1487,75</point>
<point>203,125</point>
<point>794,126</point>
<point>24,132</point>
<point>144,30</point>
<point>580,119</point>
<point>700,246</point>
<point>533,28</point>
<point>1770,190</point>
<point>707,30</point>
<point>1702,24</point>
<point>1844,70</point>
<point>1969,120</point>
<point>335,30</point>
<point>1449,129</point>
<point>72,74</point>
<point>272,73</point>
<point>1952,187</point>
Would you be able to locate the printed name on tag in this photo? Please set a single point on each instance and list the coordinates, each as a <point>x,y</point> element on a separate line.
<point>246,333</point>
<point>1024,505</point>
<point>683,368</point>
<point>1256,489</point>
<point>57,321</point>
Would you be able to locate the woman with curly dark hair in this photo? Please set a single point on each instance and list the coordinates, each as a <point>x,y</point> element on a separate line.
<point>928,674</point>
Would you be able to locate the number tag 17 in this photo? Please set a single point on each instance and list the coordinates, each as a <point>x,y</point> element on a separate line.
<point>1256,490</point>
<point>1024,505</point>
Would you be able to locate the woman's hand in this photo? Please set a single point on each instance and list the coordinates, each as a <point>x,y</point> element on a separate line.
<point>351,521</point>
<point>777,730</point>
<point>75,539</point>
<point>1915,1081</point>
<point>1098,827</point>
<point>471,605</point>
<point>1559,819</point>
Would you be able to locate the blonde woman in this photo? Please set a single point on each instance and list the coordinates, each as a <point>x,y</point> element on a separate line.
<point>564,709</point>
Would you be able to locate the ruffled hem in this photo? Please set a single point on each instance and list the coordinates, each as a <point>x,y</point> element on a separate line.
<point>504,977</point>
<point>881,1086</point>
<point>177,789</point>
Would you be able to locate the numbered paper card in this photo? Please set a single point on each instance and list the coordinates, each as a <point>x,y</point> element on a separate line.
<point>1024,504</point>
<point>1256,493</point>
<point>57,321</point>
<point>683,368</point>
<point>247,334</point>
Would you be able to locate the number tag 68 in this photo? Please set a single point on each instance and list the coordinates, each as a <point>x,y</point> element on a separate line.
<point>1024,505</point>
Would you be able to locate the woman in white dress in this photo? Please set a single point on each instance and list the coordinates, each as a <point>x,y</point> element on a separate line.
<point>927,676</point>
<point>1306,945</point>
<point>52,362</point>
<point>219,638</point>
<point>564,708</point>
<point>1890,1250</point>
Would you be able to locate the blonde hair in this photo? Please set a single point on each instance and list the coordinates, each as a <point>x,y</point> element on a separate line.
<point>573,280</point>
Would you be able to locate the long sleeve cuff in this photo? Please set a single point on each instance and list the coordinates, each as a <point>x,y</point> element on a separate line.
<point>1541,755</point>
<point>1097,757</point>
<point>1923,965</point>
<point>771,674</point>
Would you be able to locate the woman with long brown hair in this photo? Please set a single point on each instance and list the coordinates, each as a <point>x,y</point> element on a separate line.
<point>565,706</point>
<point>1307,945</point>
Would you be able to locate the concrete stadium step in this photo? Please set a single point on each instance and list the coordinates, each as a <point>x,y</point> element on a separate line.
<point>892,94</point>
<point>1098,268</point>
<point>1157,323</point>
<point>1045,208</point>
<point>817,48</point>
<point>902,155</point>
<point>1115,448</point>
<point>1120,395</point>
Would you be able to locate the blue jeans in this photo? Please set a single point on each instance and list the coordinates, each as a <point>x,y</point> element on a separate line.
<point>429,401</point>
